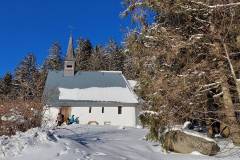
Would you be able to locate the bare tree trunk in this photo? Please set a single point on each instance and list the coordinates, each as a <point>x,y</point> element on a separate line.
<point>230,118</point>
<point>232,70</point>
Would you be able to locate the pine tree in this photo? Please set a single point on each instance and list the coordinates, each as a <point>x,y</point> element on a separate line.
<point>6,84</point>
<point>96,59</point>
<point>116,56</point>
<point>27,76</point>
<point>83,54</point>
<point>107,61</point>
<point>54,61</point>
<point>7,81</point>
<point>130,71</point>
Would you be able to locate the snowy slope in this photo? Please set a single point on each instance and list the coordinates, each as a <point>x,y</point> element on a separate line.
<point>79,142</point>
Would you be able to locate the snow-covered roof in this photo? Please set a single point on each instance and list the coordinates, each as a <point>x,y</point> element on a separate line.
<point>100,88</point>
<point>132,83</point>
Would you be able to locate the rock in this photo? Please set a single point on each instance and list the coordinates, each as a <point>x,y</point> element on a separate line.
<point>183,142</point>
<point>224,131</point>
<point>187,125</point>
<point>210,132</point>
<point>235,136</point>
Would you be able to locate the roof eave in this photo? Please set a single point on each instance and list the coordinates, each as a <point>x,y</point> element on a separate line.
<point>90,103</point>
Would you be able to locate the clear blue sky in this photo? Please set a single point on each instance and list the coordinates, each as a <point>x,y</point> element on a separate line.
<point>32,25</point>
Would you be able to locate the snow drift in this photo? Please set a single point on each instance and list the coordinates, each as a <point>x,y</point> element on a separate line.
<point>14,145</point>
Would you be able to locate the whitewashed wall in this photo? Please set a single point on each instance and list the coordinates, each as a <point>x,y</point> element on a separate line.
<point>51,113</point>
<point>127,118</point>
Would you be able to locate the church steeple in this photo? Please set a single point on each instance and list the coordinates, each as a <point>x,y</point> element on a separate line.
<point>69,63</point>
<point>70,54</point>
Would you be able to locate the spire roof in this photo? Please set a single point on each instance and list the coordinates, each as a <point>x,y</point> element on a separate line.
<point>70,54</point>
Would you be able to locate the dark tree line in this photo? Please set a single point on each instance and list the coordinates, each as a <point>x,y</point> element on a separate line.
<point>27,82</point>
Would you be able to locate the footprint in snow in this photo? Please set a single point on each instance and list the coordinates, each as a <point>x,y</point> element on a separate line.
<point>62,153</point>
<point>66,148</point>
<point>87,157</point>
<point>76,150</point>
<point>99,154</point>
<point>66,143</point>
<point>96,139</point>
<point>124,158</point>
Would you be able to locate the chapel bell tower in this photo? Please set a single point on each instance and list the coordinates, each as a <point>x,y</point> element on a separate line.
<point>69,63</point>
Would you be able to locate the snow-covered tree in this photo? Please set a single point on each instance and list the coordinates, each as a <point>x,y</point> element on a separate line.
<point>27,76</point>
<point>54,60</point>
<point>184,61</point>
<point>114,56</point>
<point>83,53</point>
<point>96,60</point>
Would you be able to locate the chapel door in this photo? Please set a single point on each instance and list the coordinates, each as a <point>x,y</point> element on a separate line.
<point>66,111</point>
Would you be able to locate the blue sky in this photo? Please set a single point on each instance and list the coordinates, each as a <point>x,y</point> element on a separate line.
<point>32,25</point>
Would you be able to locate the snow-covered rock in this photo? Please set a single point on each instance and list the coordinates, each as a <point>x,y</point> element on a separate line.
<point>188,142</point>
<point>12,116</point>
<point>186,125</point>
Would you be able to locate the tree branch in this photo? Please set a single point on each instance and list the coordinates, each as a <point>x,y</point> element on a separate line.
<point>217,5</point>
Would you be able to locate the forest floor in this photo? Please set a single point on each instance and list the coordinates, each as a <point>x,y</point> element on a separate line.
<point>80,142</point>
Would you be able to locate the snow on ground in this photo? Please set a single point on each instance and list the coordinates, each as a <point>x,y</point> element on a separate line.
<point>15,145</point>
<point>82,142</point>
<point>189,132</point>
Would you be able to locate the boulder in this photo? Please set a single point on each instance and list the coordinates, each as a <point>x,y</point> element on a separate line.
<point>224,131</point>
<point>188,142</point>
